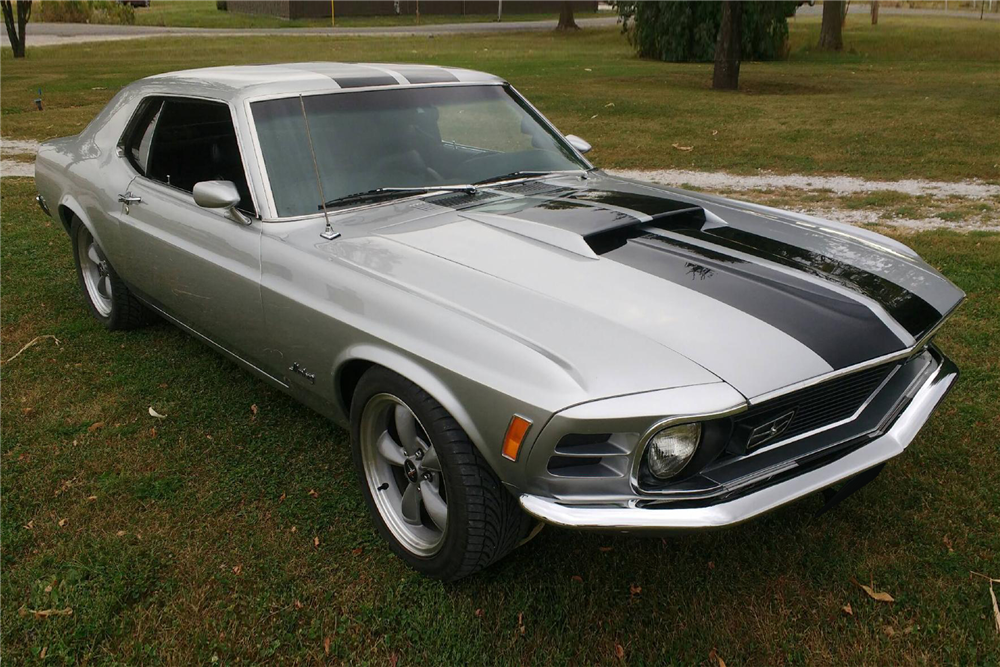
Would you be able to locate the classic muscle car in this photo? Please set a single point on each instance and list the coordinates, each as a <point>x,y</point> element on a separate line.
<point>512,336</point>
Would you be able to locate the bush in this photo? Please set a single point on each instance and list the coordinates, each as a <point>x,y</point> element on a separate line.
<point>86,11</point>
<point>687,31</point>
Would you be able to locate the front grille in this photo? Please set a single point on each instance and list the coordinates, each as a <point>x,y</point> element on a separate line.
<point>811,408</point>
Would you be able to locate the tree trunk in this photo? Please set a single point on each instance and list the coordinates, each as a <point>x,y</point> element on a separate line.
<point>727,48</point>
<point>874,12</point>
<point>830,33</point>
<point>566,21</point>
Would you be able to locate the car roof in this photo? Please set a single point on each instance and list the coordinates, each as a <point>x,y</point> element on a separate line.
<point>244,81</point>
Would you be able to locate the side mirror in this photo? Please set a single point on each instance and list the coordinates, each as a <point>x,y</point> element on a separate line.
<point>219,194</point>
<point>578,143</point>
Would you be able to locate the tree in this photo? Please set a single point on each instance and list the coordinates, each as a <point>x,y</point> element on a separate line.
<point>16,33</point>
<point>831,31</point>
<point>874,12</point>
<point>726,75</point>
<point>566,21</point>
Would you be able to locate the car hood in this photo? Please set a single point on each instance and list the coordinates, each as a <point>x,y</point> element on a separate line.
<point>625,272</point>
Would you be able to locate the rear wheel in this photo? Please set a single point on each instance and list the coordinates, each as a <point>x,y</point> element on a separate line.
<point>432,495</point>
<point>110,301</point>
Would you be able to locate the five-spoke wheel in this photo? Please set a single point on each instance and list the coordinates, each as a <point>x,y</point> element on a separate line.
<point>404,474</point>
<point>94,271</point>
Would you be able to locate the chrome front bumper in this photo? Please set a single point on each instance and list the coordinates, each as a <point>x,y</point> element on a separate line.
<point>632,518</point>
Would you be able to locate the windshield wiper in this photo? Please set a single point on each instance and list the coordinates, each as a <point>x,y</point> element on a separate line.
<point>522,173</point>
<point>384,193</point>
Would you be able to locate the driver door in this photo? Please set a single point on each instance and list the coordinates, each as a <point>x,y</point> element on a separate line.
<point>197,265</point>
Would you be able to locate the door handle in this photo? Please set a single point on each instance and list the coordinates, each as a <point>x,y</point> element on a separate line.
<point>129,198</point>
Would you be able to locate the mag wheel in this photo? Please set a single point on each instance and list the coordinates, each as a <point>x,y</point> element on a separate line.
<point>430,492</point>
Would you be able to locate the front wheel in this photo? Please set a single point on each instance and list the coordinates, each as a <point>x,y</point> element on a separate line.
<point>432,495</point>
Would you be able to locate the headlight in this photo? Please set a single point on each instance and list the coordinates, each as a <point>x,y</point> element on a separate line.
<point>670,449</point>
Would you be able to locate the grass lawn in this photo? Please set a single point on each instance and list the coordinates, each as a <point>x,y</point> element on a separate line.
<point>910,98</point>
<point>201,14</point>
<point>233,530</point>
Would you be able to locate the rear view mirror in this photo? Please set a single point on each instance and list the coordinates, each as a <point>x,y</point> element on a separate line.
<point>219,194</point>
<point>578,143</point>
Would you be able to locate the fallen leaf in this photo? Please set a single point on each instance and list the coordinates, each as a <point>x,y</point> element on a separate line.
<point>577,578</point>
<point>889,631</point>
<point>326,645</point>
<point>605,549</point>
<point>711,565</point>
<point>714,656</point>
<point>847,609</point>
<point>152,432</point>
<point>41,656</point>
<point>282,498</point>
<point>609,104</point>
<point>93,427</point>
<point>594,116</point>
<point>298,605</point>
<point>316,541</point>
<point>48,589</point>
<point>714,132</point>
<point>293,529</point>
<point>620,651</point>
<point>393,659</point>
<point>357,551</point>
<point>120,533</point>
<point>683,148</point>
<point>237,568</point>
<point>314,493</point>
<point>63,522</point>
<point>587,69</point>
<point>479,613</point>
<point>91,498</point>
<point>154,413</point>
<point>28,412</point>
<point>635,590</point>
<point>947,543</point>
<point>253,410</point>
<point>30,525</point>
<point>45,613</point>
<point>881,596</point>
<point>520,622</point>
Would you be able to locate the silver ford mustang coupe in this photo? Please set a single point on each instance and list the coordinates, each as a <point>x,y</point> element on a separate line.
<point>512,336</point>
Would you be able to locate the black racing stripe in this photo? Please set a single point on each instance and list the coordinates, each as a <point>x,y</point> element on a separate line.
<point>910,310</point>
<point>426,74</point>
<point>363,80</point>
<point>837,328</point>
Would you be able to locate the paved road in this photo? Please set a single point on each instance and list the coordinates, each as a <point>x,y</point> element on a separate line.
<point>48,34</point>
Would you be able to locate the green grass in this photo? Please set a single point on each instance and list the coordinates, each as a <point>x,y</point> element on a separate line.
<point>191,539</point>
<point>200,14</point>
<point>910,98</point>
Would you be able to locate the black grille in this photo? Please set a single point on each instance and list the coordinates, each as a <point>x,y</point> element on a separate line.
<point>812,407</point>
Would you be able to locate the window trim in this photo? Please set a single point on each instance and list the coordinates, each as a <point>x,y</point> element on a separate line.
<point>130,127</point>
<point>266,181</point>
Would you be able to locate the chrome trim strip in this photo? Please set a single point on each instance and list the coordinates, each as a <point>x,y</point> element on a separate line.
<point>628,517</point>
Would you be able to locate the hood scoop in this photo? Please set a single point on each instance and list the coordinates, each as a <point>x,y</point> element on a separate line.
<point>585,222</point>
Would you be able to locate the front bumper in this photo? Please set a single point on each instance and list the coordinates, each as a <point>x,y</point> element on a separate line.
<point>633,518</point>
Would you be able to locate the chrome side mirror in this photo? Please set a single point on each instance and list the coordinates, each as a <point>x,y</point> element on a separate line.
<point>578,143</point>
<point>219,194</point>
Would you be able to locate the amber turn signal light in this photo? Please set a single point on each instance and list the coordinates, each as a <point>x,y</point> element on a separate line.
<point>516,430</point>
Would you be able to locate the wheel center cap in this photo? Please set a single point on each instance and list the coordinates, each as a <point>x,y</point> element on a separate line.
<point>410,470</point>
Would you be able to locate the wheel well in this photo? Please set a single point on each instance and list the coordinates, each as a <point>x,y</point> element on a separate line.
<point>66,216</point>
<point>350,375</point>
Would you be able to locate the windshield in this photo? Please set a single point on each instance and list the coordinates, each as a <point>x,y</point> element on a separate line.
<point>404,137</point>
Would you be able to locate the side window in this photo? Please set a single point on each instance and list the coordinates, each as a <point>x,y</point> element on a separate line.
<point>185,141</point>
<point>140,136</point>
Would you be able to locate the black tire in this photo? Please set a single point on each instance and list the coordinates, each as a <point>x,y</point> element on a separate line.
<point>126,311</point>
<point>485,522</point>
